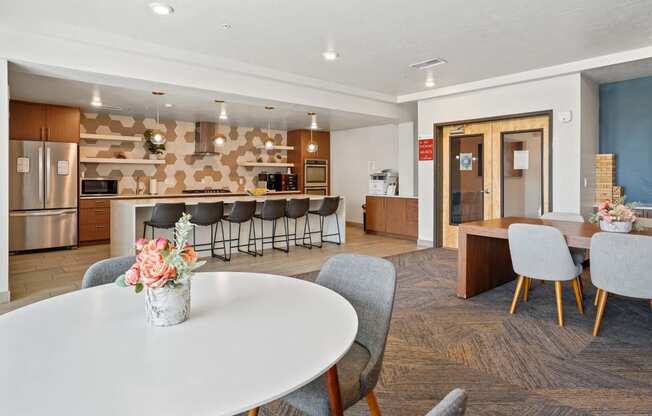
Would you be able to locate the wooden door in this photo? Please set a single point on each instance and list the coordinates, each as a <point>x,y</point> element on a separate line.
<point>26,121</point>
<point>62,124</point>
<point>376,214</point>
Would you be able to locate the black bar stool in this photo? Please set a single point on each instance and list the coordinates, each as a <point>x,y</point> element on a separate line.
<point>242,211</point>
<point>273,210</point>
<point>164,216</point>
<point>329,206</point>
<point>206,214</point>
<point>295,209</point>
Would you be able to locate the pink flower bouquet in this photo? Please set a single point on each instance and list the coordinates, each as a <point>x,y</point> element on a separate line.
<point>160,262</point>
<point>614,212</point>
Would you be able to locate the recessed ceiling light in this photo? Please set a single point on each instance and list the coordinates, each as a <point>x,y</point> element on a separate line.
<point>168,105</point>
<point>96,103</point>
<point>226,26</point>
<point>161,9</point>
<point>330,55</point>
<point>430,83</point>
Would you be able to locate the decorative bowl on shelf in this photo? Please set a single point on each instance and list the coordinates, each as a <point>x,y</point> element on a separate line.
<point>257,191</point>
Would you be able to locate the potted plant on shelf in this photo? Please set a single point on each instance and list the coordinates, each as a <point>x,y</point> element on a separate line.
<point>164,269</point>
<point>154,150</point>
<point>616,216</point>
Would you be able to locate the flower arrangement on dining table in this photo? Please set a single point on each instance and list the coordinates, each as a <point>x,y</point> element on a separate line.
<point>616,211</point>
<point>162,263</point>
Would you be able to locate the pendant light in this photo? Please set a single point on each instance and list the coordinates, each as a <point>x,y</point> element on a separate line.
<point>312,146</point>
<point>157,138</point>
<point>269,143</point>
<point>220,140</point>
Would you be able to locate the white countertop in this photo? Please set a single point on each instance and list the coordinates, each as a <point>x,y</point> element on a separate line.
<point>191,200</point>
<point>395,196</point>
<point>200,195</point>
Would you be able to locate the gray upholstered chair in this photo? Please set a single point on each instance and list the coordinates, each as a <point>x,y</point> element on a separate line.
<point>369,283</point>
<point>578,254</point>
<point>540,252</point>
<point>106,271</point>
<point>454,404</point>
<point>620,264</point>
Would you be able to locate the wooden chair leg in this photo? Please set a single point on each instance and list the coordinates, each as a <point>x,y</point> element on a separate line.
<point>578,295</point>
<point>374,409</point>
<point>650,303</point>
<point>602,302</point>
<point>334,396</point>
<point>560,305</point>
<point>597,297</point>
<point>253,412</point>
<point>526,288</point>
<point>517,292</point>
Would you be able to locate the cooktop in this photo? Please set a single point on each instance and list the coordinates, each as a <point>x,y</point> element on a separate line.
<point>207,191</point>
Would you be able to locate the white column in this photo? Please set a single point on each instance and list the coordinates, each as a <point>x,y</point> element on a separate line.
<point>406,159</point>
<point>4,181</point>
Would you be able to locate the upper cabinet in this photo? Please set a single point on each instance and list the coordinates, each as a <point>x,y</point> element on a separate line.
<point>33,121</point>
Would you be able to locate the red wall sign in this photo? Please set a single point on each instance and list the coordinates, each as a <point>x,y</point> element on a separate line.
<point>426,149</point>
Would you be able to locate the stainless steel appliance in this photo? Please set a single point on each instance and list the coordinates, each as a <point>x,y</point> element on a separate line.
<point>315,172</point>
<point>42,195</point>
<point>99,186</point>
<point>315,190</point>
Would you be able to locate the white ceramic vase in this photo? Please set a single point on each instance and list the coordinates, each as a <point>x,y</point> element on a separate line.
<point>168,305</point>
<point>616,226</point>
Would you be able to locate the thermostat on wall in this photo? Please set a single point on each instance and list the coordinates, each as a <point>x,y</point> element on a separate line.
<point>565,116</point>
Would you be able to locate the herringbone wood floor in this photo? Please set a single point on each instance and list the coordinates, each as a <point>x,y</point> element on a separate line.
<point>522,364</point>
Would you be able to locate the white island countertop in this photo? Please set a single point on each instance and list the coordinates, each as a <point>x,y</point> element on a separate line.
<point>191,200</point>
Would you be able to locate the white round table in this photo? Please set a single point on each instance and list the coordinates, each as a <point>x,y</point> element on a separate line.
<point>251,338</point>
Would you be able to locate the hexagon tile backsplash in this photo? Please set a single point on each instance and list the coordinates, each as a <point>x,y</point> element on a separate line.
<point>182,169</point>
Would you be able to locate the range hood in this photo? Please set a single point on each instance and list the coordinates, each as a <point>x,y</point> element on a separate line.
<point>205,133</point>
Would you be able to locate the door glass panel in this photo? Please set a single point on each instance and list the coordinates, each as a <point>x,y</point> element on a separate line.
<point>466,179</point>
<point>522,174</point>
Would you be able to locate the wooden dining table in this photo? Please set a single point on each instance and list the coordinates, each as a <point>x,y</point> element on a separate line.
<point>484,261</point>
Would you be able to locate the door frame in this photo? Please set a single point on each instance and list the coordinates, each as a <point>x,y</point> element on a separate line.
<point>438,170</point>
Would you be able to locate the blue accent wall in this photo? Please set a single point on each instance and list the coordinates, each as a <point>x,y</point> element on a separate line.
<point>626,130</point>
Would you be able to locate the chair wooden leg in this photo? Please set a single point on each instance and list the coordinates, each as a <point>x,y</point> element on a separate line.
<point>578,294</point>
<point>597,297</point>
<point>526,288</point>
<point>560,305</point>
<point>374,409</point>
<point>517,292</point>
<point>650,303</point>
<point>253,412</point>
<point>334,396</point>
<point>602,302</point>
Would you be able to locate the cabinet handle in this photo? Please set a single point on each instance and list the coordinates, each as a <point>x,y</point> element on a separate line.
<point>99,211</point>
<point>100,226</point>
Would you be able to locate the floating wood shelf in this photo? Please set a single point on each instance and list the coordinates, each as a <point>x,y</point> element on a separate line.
<point>122,161</point>
<point>110,137</point>
<point>266,164</point>
<point>278,147</point>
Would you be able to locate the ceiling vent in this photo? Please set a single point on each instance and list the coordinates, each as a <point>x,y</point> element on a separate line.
<point>428,64</point>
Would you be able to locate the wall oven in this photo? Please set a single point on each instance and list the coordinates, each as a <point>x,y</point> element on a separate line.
<point>315,173</point>
<point>98,187</point>
<point>316,190</point>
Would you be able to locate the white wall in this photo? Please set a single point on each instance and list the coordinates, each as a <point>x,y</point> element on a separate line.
<point>351,152</point>
<point>590,140</point>
<point>4,181</point>
<point>557,94</point>
<point>407,171</point>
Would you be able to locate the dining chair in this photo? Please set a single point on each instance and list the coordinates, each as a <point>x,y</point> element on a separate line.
<point>620,264</point>
<point>540,252</point>
<point>369,284</point>
<point>454,404</point>
<point>106,271</point>
<point>578,254</point>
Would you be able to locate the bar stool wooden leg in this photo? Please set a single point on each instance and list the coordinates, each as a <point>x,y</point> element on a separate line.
<point>253,412</point>
<point>374,409</point>
<point>578,294</point>
<point>602,302</point>
<point>560,305</point>
<point>517,292</point>
<point>334,395</point>
<point>597,297</point>
<point>526,288</point>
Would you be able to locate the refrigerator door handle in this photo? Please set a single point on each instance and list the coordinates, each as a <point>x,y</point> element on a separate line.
<point>48,166</point>
<point>40,174</point>
<point>50,213</point>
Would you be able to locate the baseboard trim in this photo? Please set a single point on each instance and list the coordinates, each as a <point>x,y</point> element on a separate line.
<point>5,297</point>
<point>354,224</point>
<point>425,243</point>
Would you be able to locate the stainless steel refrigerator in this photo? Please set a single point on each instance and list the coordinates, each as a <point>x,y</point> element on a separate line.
<point>42,195</point>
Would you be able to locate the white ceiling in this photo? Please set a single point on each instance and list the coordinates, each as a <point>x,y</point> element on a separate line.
<point>377,39</point>
<point>188,104</point>
<point>621,72</point>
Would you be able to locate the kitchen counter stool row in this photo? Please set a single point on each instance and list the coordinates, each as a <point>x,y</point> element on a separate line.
<point>213,215</point>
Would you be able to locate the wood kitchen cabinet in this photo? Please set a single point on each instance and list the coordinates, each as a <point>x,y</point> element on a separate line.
<point>34,121</point>
<point>395,216</point>
<point>94,220</point>
<point>300,140</point>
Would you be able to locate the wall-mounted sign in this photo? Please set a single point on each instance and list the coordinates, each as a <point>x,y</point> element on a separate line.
<point>466,161</point>
<point>426,149</point>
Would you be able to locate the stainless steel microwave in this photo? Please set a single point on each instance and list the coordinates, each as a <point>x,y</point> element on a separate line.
<point>99,186</point>
<point>315,172</point>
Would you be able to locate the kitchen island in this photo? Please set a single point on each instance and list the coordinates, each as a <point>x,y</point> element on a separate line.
<point>128,216</point>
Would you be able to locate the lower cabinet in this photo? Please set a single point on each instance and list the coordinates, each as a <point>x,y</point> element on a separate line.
<point>94,220</point>
<point>393,215</point>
